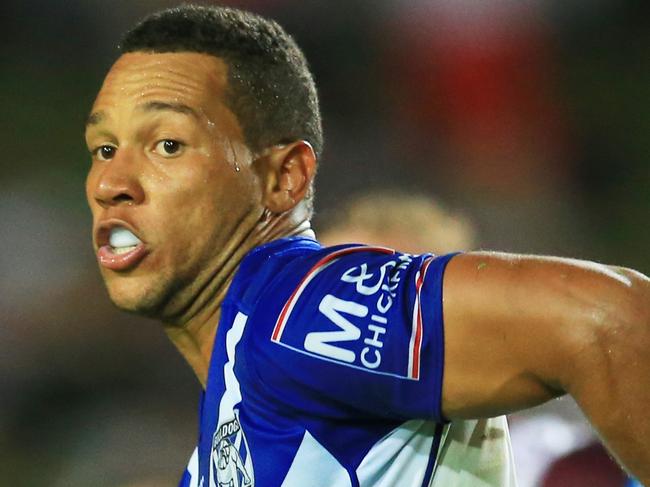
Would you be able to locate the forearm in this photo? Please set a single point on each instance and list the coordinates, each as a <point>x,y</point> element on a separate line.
<point>610,380</point>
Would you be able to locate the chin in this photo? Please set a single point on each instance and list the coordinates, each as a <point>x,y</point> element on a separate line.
<point>134,297</point>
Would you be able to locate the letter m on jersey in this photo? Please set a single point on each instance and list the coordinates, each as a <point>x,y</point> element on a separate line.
<point>330,333</point>
<point>320,342</point>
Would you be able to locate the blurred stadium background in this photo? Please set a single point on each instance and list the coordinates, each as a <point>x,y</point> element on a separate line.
<point>532,118</point>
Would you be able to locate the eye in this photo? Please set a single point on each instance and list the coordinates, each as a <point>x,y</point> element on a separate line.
<point>168,147</point>
<point>105,152</point>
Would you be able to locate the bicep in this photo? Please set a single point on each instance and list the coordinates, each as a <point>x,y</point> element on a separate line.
<point>511,325</point>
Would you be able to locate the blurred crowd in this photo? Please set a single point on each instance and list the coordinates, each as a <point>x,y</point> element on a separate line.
<point>511,125</point>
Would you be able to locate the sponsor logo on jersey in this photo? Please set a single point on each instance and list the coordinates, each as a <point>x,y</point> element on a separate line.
<point>353,321</point>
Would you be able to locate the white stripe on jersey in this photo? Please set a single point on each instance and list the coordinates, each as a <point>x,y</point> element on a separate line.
<point>402,454</point>
<point>232,395</point>
<point>193,468</point>
<point>314,466</point>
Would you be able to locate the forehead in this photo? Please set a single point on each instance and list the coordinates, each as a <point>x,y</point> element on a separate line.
<point>198,80</point>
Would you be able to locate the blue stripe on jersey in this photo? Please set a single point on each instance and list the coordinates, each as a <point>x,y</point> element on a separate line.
<point>185,479</point>
<point>433,455</point>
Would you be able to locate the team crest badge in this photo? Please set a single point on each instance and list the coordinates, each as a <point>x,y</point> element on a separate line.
<point>230,460</point>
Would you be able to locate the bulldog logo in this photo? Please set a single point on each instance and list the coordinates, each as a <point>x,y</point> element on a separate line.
<point>230,460</point>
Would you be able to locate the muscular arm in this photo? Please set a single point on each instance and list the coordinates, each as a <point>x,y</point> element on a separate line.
<point>520,330</point>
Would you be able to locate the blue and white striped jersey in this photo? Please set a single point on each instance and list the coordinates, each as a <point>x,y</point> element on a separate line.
<point>327,372</point>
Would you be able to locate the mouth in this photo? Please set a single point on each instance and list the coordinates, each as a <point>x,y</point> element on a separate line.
<point>119,248</point>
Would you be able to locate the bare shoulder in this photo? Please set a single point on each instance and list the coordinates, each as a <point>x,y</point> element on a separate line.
<point>474,266</point>
<point>512,280</point>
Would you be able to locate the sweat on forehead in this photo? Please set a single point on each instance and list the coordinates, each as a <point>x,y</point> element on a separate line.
<point>153,84</point>
<point>180,75</point>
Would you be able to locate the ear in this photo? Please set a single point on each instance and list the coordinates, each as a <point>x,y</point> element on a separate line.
<point>287,171</point>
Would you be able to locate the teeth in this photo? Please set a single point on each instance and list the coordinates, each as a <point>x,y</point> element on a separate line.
<point>121,238</point>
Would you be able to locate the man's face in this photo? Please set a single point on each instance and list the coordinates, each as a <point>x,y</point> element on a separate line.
<point>171,187</point>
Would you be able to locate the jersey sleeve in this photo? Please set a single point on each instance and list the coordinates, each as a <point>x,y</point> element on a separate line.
<point>355,330</point>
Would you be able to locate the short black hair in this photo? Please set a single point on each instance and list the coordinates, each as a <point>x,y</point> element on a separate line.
<point>270,88</point>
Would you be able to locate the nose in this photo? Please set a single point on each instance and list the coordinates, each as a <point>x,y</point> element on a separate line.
<point>118,182</point>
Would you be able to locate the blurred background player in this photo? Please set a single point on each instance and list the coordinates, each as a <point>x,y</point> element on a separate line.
<point>413,222</point>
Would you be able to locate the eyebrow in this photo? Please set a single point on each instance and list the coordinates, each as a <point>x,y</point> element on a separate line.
<point>95,118</point>
<point>152,106</point>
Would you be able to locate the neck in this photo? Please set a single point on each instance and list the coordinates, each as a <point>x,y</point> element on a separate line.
<point>193,331</point>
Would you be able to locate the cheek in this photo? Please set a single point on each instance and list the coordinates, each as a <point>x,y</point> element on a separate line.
<point>226,188</point>
<point>189,213</point>
<point>91,184</point>
<point>198,205</point>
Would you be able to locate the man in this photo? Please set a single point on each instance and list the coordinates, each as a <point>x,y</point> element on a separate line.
<point>324,366</point>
